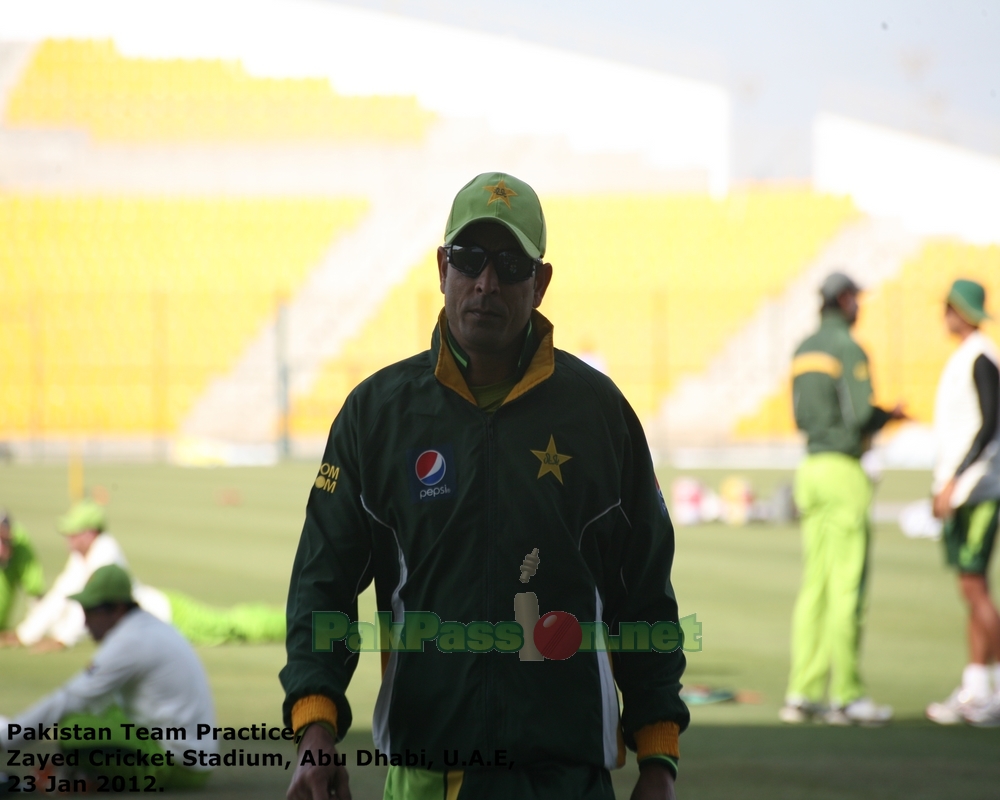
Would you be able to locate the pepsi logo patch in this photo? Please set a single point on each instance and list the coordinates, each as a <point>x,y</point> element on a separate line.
<point>431,467</point>
<point>432,473</point>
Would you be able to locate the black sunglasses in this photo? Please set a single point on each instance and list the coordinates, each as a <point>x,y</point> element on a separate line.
<point>511,266</point>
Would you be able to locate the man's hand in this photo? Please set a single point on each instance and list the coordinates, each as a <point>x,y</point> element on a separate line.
<point>942,500</point>
<point>313,782</point>
<point>9,639</point>
<point>47,645</point>
<point>655,782</point>
<point>899,412</point>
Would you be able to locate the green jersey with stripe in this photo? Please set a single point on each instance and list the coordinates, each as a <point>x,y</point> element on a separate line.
<point>832,390</point>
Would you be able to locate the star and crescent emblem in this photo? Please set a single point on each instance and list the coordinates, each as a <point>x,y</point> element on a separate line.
<point>551,459</point>
<point>500,192</point>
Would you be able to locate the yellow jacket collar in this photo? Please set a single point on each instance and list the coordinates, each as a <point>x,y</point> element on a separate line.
<point>541,367</point>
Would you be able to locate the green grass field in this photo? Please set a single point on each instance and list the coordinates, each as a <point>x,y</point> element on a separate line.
<point>229,535</point>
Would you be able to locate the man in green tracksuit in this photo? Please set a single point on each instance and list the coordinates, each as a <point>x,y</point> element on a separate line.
<point>832,395</point>
<point>444,477</point>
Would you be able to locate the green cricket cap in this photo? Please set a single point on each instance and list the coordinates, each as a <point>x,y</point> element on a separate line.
<point>108,584</point>
<point>499,197</point>
<point>968,298</point>
<point>85,515</point>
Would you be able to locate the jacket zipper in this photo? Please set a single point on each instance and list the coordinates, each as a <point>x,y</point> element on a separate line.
<point>490,558</point>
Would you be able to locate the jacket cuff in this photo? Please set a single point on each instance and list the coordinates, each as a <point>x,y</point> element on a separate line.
<point>314,708</point>
<point>655,739</point>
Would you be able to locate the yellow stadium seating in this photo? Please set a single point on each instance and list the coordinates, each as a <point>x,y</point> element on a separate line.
<point>655,285</point>
<point>117,311</point>
<point>90,85</point>
<point>652,285</point>
<point>901,327</point>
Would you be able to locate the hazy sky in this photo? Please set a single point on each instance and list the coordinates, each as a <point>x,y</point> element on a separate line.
<point>928,67</point>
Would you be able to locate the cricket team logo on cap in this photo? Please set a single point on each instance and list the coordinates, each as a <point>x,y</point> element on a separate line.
<point>431,467</point>
<point>500,191</point>
<point>432,473</point>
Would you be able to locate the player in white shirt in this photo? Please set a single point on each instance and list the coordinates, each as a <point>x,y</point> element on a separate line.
<point>143,674</point>
<point>56,622</point>
<point>967,497</point>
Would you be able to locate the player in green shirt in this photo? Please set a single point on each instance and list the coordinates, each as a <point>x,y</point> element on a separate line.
<point>832,398</point>
<point>19,567</point>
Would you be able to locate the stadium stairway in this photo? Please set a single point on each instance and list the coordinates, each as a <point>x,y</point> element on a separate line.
<point>704,409</point>
<point>241,409</point>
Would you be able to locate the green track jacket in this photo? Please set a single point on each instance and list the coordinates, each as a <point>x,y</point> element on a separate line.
<point>563,466</point>
<point>832,390</point>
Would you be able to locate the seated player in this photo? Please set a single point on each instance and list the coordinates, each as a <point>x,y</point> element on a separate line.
<point>56,622</point>
<point>144,673</point>
<point>19,569</point>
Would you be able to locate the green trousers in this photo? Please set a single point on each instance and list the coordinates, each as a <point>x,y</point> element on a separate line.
<point>126,758</point>
<point>203,624</point>
<point>833,495</point>
<point>540,782</point>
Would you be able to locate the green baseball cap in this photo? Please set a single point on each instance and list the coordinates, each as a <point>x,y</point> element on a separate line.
<point>85,515</point>
<point>108,584</point>
<point>968,298</point>
<point>499,197</point>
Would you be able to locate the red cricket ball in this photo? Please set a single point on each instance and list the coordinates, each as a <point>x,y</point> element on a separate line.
<point>558,635</point>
